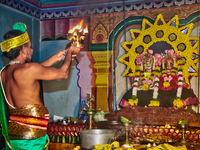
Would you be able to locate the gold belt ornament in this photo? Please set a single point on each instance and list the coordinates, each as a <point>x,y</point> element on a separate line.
<point>28,122</point>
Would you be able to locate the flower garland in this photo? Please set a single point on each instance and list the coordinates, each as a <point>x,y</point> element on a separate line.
<point>139,72</point>
<point>177,37</point>
<point>168,57</point>
<point>146,84</point>
<point>178,102</point>
<point>166,80</point>
<point>173,71</point>
<point>134,99</point>
<point>174,36</point>
<point>155,101</point>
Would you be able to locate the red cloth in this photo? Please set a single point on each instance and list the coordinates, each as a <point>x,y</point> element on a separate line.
<point>173,83</point>
<point>67,130</point>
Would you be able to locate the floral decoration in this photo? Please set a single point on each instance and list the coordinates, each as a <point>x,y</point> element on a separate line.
<point>135,83</point>
<point>145,87</point>
<point>183,46</point>
<point>178,102</point>
<point>133,101</point>
<point>170,29</point>
<point>155,101</point>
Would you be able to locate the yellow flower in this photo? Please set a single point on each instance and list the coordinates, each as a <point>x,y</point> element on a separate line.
<point>157,73</point>
<point>166,84</point>
<point>145,87</point>
<point>157,68</point>
<point>178,103</point>
<point>133,102</point>
<point>180,67</point>
<point>137,73</point>
<point>139,46</point>
<point>180,121</point>
<point>137,67</point>
<point>154,103</point>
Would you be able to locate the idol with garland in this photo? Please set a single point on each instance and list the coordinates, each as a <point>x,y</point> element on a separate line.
<point>158,81</point>
<point>160,61</point>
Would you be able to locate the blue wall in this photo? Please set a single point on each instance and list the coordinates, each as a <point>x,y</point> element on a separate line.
<point>60,96</point>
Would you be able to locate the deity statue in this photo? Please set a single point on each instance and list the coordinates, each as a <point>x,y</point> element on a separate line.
<point>169,77</point>
<point>147,67</point>
<point>158,81</point>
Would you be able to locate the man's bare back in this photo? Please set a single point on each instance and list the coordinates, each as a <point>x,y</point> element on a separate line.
<point>21,80</point>
<point>20,90</point>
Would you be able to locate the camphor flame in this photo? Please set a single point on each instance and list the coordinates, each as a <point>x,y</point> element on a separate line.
<point>78,34</point>
<point>78,27</point>
<point>85,30</point>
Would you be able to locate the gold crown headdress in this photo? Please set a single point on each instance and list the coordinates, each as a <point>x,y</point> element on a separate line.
<point>7,45</point>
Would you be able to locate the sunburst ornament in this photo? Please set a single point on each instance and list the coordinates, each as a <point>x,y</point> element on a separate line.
<point>178,38</point>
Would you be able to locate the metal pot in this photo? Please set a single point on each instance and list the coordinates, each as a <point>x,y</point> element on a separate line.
<point>115,125</point>
<point>91,137</point>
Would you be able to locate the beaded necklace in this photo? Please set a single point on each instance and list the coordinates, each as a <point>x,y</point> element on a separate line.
<point>15,62</point>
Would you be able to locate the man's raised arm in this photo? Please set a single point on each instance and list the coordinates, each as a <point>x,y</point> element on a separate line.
<point>53,59</point>
<point>59,56</point>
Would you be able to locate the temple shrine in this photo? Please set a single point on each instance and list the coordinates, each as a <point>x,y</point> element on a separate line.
<point>137,73</point>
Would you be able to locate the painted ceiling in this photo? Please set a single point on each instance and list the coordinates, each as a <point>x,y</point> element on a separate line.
<point>61,3</point>
<point>56,9</point>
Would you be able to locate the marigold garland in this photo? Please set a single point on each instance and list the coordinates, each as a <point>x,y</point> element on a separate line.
<point>166,84</point>
<point>182,37</point>
<point>178,102</point>
<point>145,87</point>
<point>173,71</point>
<point>168,28</point>
<point>135,83</point>
<point>133,102</point>
<point>146,84</point>
<point>154,103</point>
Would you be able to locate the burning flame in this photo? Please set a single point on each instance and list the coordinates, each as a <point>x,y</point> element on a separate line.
<point>85,30</point>
<point>75,33</point>
<point>78,27</point>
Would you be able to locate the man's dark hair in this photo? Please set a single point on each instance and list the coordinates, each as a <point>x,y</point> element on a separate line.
<point>14,52</point>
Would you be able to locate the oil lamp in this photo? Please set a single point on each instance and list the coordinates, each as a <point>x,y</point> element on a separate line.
<point>183,124</point>
<point>78,35</point>
<point>90,112</point>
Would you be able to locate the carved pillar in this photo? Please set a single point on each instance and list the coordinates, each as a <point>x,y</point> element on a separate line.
<point>102,59</point>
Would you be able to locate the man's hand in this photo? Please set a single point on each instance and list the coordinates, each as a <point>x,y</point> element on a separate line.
<point>60,55</point>
<point>75,50</point>
<point>63,55</point>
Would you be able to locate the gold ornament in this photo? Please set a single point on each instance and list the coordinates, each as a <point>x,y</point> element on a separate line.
<point>7,45</point>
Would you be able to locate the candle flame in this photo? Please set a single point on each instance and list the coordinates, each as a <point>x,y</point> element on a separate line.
<point>78,27</point>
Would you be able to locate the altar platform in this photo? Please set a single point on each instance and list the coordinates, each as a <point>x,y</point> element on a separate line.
<point>64,137</point>
<point>66,146</point>
<point>70,133</point>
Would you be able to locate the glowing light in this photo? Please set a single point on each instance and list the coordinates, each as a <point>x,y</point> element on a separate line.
<point>85,30</point>
<point>78,27</point>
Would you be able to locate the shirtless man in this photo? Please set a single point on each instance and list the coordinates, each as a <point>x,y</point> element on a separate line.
<point>21,88</point>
